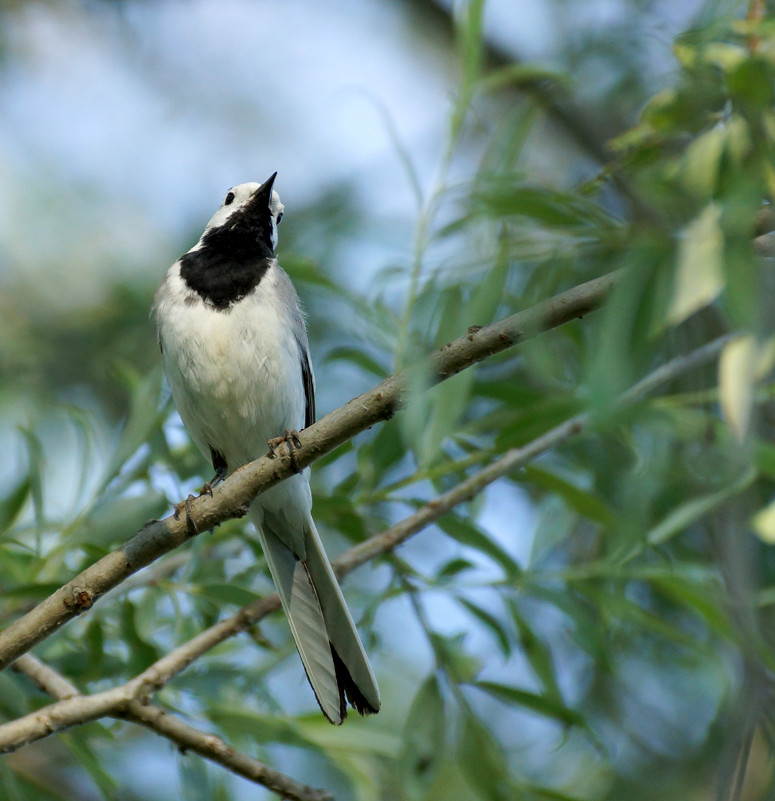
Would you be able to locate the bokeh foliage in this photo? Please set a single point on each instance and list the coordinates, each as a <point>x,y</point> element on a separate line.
<point>629,648</point>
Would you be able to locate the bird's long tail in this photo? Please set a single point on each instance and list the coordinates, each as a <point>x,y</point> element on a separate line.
<point>334,659</point>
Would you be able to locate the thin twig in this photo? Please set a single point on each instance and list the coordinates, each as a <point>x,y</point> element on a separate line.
<point>47,679</point>
<point>186,737</point>
<point>213,748</point>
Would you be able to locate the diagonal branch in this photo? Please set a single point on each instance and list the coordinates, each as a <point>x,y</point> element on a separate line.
<point>133,694</point>
<point>232,498</point>
<point>186,737</point>
<point>47,679</point>
<point>211,747</point>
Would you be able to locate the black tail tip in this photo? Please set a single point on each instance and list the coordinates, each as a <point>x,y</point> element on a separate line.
<point>349,692</point>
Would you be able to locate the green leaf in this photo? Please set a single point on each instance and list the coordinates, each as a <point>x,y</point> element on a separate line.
<point>10,784</point>
<point>77,744</point>
<point>613,604</point>
<point>481,758</point>
<point>764,457</point>
<point>357,738</point>
<point>556,524</point>
<point>702,162</point>
<point>262,729</point>
<point>34,592</point>
<point>519,75</point>
<point>737,375</point>
<point>144,415</point>
<point>533,421</point>
<point>95,645</point>
<point>13,503</point>
<point>451,569</point>
<point>359,358</point>
<point>492,623</point>
<point>450,652</point>
<point>487,294</point>
<point>469,21</point>
<point>447,403</point>
<point>35,456</point>
<point>375,458</point>
<point>14,695</point>
<point>467,533</point>
<point>586,502</point>
<point>547,207</point>
<point>698,598</point>
<point>684,515</point>
<point>141,653</point>
<point>335,455</point>
<point>423,736</point>
<point>537,653</point>
<point>452,783</point>
<point>699,277</point>
<point>223,593</point>
<point>307,271</point>
<point>112,520</point>
<point>194,777</point>
<point>541,704</point>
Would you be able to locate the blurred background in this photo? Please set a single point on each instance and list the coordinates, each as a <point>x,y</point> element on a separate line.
<point>576,631</point>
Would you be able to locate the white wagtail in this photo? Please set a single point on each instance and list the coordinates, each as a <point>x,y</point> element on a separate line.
<point>235,351</point>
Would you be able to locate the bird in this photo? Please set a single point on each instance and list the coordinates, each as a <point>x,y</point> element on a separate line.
<point>236,355</point>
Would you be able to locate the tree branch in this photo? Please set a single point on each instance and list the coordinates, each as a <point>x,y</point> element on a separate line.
<point>211,747</point>
<point>233,496</point>
<point>47,679</point>
<point>186,737</point>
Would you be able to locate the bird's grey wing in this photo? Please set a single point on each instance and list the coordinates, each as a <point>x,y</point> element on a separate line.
<point>308,380</point>
<point>287,295</point>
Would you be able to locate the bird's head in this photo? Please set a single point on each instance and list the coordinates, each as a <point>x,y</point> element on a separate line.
<point>250,205</point>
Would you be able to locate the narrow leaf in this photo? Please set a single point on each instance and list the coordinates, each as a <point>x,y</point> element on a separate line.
<point>12,504</point>
<point>541,704</point>
<point>424,732</point>
<point>738,368</point>
<point>492,623</point>
<point>466,533</point>
<point>538,654</point>
<point>699,276</point>
<point>690,512</point>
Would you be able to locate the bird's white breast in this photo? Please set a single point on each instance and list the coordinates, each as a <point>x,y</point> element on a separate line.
<point>235,374</point>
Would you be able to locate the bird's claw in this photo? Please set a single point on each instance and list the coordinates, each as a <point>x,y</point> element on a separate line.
<point>191,525</point>
<point>207,487</point>
<point>291,439</point>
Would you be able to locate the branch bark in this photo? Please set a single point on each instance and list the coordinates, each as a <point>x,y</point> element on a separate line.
<point>186,737</point>
<point>232,498</point>
<point>211,747</point>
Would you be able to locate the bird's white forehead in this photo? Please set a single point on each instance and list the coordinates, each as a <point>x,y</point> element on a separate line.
<point>243,193</point>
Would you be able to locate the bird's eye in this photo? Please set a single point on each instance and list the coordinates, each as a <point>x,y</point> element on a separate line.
<point>279,217</point>
<point>229,198</point>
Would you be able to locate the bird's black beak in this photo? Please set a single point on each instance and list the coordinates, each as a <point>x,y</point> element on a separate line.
<point>263,195</point>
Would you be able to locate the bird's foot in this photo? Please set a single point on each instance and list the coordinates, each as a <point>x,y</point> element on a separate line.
<point>191,525</point>
<point>207,487</point>
<point>291,439</point>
